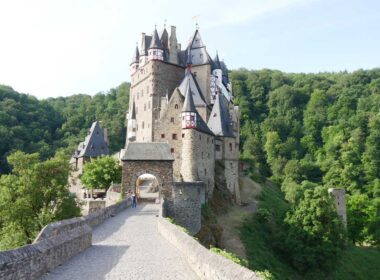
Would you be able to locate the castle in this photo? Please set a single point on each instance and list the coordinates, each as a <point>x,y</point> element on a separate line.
<point>182,100</point>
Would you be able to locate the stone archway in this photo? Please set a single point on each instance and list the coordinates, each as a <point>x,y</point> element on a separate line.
<point>161,169</point>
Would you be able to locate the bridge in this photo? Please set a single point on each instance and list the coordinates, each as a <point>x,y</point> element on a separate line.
<point>127,246</point>
<point>118,242</point>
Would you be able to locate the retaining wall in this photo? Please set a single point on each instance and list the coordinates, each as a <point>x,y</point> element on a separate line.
<point>208,265</point>
<point>55,244</point>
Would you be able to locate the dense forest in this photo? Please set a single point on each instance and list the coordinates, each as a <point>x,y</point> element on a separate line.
<point>45,126</point>
<point>306,132</point>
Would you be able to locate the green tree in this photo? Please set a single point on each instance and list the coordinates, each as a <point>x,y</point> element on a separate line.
<point>33,195</point>
<point>315,235</point>
<point>101,172</point>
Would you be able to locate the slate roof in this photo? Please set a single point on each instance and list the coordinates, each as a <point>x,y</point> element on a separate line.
<point>145,45</point>
<point>94,144</point>
<point>147,151</point>
<point>188,104</point>
<point>136,56</point>
<point>220,120</point>
<point>189,81</point>
<point>164,37</point>
<point>155,42</point>
<point>216,62</point>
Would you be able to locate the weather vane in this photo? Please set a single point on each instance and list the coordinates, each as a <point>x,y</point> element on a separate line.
<point>195,18</point>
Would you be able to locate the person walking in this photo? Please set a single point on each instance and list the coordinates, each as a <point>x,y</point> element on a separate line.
<point>134,200</point>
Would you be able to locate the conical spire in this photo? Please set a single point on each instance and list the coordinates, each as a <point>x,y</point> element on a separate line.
<point>217,64</point>
<point>164,38</point>
<point>188,104</point>
<point>155,43</point>
<point>136,56</point>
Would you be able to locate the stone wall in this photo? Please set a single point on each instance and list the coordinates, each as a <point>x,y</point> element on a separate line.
<point>208,265</point>
<point>55,244</point>
<point>152,81</point>
<point>198,158</point>
<point>162,170</point>
<point>168,129</point>
<point>186,204</point>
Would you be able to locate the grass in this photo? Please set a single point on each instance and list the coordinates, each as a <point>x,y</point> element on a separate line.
<point>257,234</point>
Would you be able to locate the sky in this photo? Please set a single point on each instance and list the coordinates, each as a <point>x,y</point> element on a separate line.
<point>51,48</point>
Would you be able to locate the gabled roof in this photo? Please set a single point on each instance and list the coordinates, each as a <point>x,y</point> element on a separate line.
<point>94,144</point>
<point>155,43</point>
<point>190,82</point>
<point>220,120</point>
<point>147,151</point>
<point>196,41</point>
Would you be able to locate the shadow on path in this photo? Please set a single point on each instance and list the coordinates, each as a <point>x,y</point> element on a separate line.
<point>94,263</point>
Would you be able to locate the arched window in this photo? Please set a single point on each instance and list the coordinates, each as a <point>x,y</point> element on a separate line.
<point>176,106</point>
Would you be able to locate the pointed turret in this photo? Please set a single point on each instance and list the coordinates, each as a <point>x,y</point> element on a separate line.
<point>135,61</point>
<point>216,62</point>
<point>164,38</point>
<point>220,121</point>
<point>155,51</point>
<point>189,115</point>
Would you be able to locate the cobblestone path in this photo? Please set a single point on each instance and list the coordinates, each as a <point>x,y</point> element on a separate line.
<point>127,246</point>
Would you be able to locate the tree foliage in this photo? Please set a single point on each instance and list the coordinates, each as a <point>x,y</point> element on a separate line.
<point>101,172</point>
<point>33,195</point>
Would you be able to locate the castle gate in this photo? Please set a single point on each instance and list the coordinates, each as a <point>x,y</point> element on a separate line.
<point>147,158</point>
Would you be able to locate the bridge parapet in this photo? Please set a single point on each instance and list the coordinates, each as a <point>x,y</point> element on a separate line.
<point>55,244</point>
<point>208,265</point>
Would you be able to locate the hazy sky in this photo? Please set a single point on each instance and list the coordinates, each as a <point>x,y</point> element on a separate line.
<point>54,48</point>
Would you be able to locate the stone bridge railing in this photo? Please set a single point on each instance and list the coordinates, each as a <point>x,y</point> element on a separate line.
<point>55,244</point>
<point>208,265</point>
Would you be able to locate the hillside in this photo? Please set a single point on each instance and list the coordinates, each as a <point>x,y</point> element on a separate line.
<point>44,126</point>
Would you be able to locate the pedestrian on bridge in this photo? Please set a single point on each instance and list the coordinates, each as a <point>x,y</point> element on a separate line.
<point>134,200</point>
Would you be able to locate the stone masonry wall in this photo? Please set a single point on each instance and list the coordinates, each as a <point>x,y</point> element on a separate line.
<point>149,83</point>
<point>186,203</point>
<point>168,129</point>
<point>56,243</point>
<point>162,170</point>
<point>208,265</point>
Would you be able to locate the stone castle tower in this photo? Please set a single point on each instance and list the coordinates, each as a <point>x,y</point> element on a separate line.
<point>184,98</point>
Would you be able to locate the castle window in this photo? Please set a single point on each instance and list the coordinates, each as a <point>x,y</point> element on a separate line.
<point>200,137</point>
<point>162,135</point>
<point>231,147</point>
<point>174,136</point>
<point>208,139</point>
<point>201,55</point>
<point>172,150</point>
<point>172,120</point>
<point>205,172</point>
<point>183,135</point>
<point>176,106</point>
<point>232,165</point>
<point>217,148</point>
<point>143,125</point>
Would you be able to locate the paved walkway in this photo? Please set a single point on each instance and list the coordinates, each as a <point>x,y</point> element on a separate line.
<point>127,246</point>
